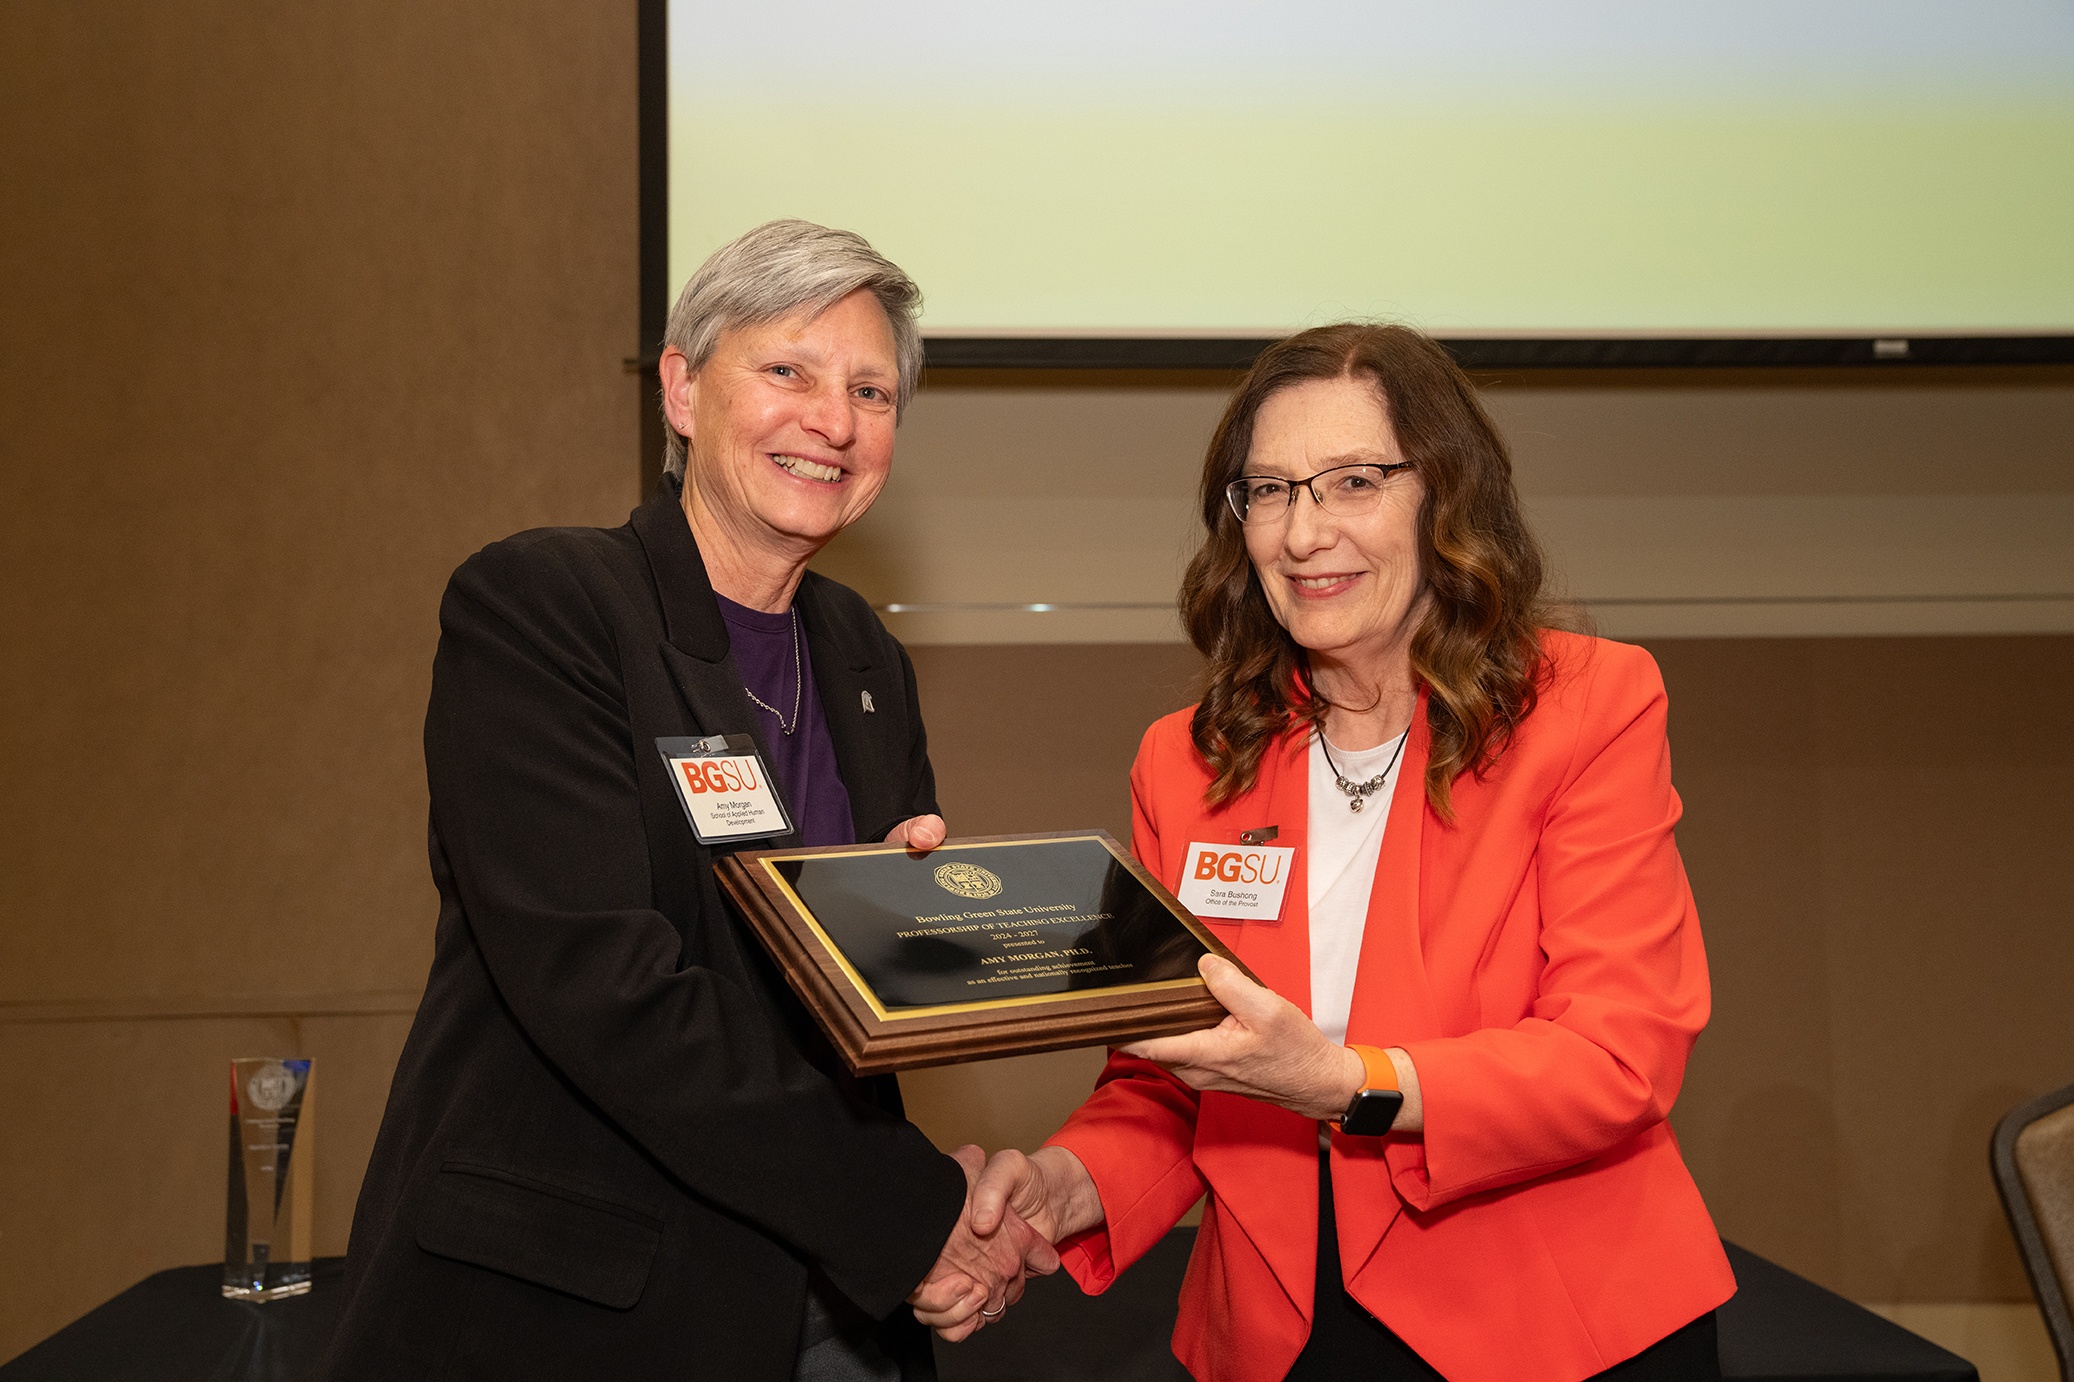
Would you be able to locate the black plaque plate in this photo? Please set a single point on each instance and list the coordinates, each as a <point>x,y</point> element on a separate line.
<point>979,948</point>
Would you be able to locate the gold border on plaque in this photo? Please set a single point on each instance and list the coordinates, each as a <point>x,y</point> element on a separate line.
<point>884,1014</point>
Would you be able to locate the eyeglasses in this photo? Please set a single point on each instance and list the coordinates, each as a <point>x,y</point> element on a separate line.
<point>1347,491</point>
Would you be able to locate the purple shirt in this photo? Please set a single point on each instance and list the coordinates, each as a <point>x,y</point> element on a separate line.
<point>803,761</point>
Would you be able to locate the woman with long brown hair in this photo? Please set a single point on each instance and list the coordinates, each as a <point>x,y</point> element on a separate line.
<point>1433,1138</point>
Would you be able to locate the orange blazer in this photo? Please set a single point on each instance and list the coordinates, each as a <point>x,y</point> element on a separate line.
<point>1540,961</point>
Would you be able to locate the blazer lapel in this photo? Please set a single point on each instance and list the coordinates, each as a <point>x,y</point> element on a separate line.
<point>849,677</point>
<point>1263,1160</point>
<point>694,645</point>
<point>1279,951</point>
<point>691,616</point>
<point>1392,1002</point>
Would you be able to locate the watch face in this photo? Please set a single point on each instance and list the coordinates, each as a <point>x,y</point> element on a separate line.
<point>1372,1112</point>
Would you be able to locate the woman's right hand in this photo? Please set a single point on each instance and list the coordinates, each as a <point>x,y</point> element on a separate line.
<point>1049,1189</point>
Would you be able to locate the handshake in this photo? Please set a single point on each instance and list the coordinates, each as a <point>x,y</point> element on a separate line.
<point>1016,1208</point>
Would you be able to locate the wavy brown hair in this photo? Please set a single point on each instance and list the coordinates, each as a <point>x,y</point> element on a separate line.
<point>1478,649</point>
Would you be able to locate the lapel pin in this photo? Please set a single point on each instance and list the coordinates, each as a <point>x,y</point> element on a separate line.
<point>869,708</point>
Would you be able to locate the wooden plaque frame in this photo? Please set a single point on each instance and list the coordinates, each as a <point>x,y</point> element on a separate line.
<point>873,1041</point>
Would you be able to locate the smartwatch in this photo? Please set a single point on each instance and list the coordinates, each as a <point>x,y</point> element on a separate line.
<point>1374,1106</point>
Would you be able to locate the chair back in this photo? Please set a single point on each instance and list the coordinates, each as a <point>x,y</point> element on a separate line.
<point>2033,1157</point>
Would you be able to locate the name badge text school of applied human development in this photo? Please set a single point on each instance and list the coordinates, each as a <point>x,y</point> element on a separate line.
<point>725,787</point>
<point>1234,882</point>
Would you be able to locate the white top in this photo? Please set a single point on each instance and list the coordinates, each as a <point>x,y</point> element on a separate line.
<point>1344,845</point>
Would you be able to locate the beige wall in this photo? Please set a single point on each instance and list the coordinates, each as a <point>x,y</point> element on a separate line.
<point>303,304</point>
<point>1878,833</point>
<point>1673,503</point>
<point>308,302</point>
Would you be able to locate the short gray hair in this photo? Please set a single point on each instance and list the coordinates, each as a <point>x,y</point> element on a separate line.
<point>775,270</point>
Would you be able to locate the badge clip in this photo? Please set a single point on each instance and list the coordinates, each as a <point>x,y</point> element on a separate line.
<point>1260,836</point>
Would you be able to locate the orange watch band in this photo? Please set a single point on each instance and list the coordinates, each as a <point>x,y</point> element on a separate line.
<point>1381,1074</point>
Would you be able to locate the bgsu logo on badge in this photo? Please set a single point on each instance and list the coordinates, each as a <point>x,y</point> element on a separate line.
<point>1242,866</point>
<point>720,774</point>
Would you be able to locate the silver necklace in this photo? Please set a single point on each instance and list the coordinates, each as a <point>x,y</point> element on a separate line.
<point>799,681</point>
<point>1358,792</point>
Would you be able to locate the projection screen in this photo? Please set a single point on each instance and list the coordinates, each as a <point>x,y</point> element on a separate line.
<point>1213,168</point>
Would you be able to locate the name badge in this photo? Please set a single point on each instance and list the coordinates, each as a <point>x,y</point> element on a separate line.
<point>725,787</point>
<point>1235,882</point>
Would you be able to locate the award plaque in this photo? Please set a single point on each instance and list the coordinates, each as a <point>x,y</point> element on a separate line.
<point>979,948</point>
<point>267,1239</point>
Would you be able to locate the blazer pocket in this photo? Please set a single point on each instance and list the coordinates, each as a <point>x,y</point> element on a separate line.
<point>539,1232</point>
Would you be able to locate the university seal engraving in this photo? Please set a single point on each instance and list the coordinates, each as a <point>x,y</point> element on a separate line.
<point>271,1087</point>
<point>968,880</point>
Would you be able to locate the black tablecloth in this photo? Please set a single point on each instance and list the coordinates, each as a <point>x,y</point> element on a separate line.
<point>1780,1327</point>
<point>176,1326</point>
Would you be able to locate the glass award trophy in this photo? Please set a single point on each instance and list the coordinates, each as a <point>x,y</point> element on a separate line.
<point>977,949</point>
<point>267,1246</point>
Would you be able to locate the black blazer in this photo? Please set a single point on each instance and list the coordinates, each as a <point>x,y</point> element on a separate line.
<point>615,1140</point>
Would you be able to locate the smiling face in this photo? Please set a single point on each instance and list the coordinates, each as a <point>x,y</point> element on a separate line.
<point>1349,590</point>
<point>789,426</point>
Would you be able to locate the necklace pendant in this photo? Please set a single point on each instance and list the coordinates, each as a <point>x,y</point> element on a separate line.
<point>1354,804</point>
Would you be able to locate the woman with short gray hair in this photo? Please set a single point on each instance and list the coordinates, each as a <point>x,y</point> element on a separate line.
<point>780,268</point>
<point>616,1144</point>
